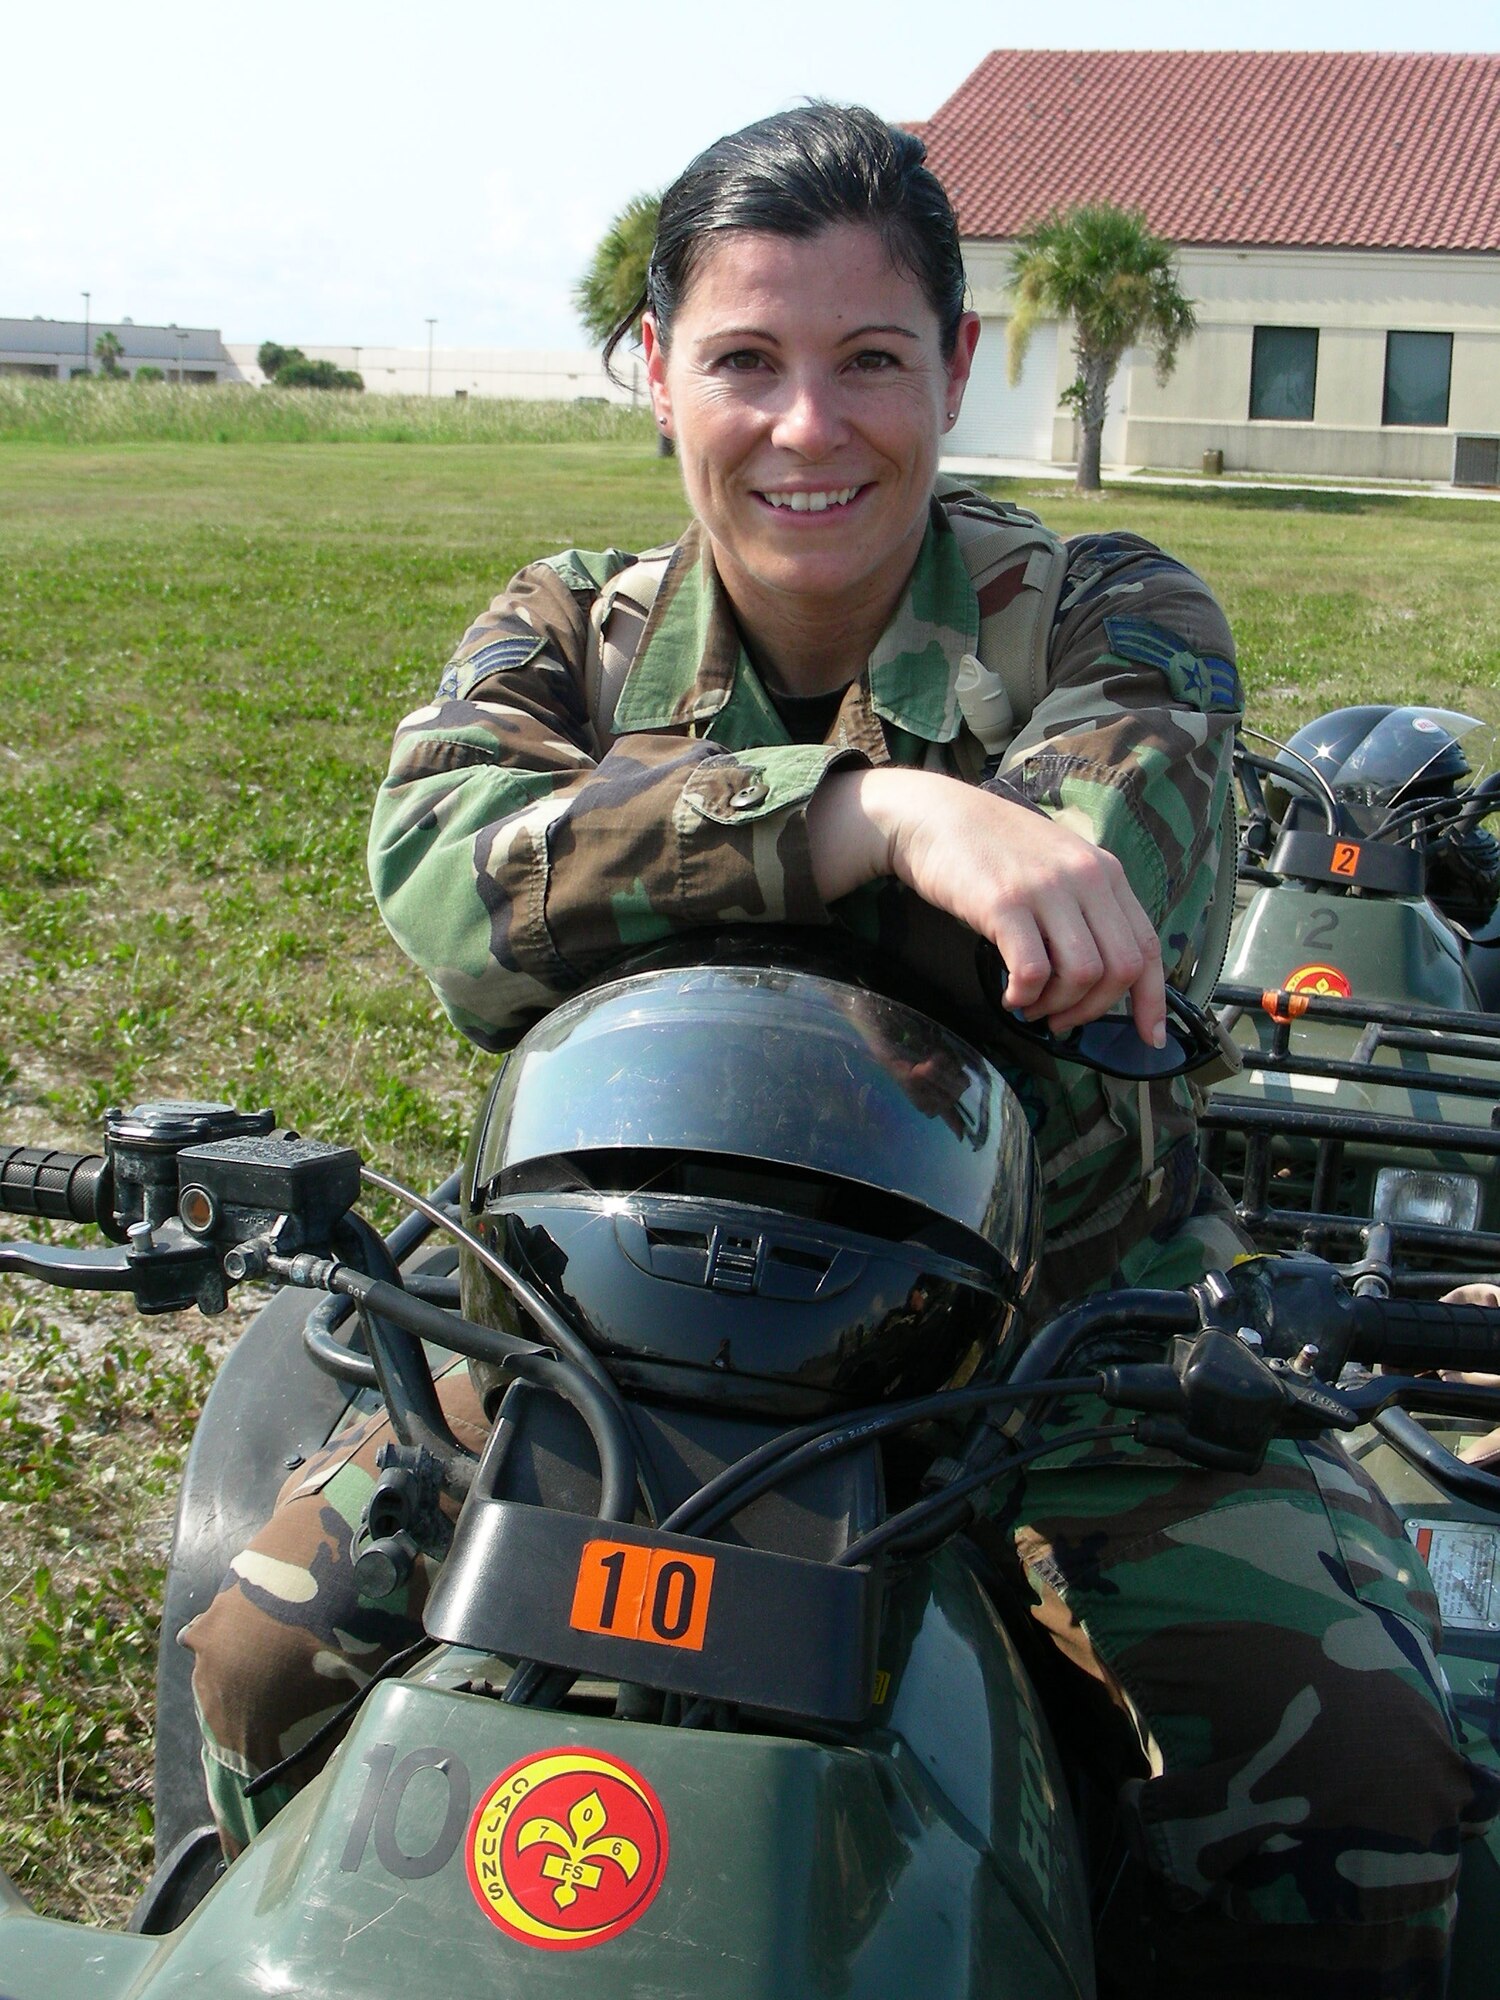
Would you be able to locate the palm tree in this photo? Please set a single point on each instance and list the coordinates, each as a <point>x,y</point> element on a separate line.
<point>1103,268</point>
<point>108,349</point>
<point>616,276</point>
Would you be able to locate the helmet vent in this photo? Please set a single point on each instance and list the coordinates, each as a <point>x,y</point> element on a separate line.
<point>745,1260</point>
<point>735,1260</point>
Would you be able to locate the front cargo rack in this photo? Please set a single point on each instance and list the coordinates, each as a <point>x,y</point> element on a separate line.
<point>1303,1176</point>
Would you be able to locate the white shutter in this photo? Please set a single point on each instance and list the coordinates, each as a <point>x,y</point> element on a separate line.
<point>998,421</point>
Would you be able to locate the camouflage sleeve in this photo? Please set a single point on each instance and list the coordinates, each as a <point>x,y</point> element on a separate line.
<point>1131,745</point>
<point>510,861</point>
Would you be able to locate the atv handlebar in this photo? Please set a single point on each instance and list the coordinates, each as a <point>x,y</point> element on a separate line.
<point>63,1187</point>
<point>1425,1333</point>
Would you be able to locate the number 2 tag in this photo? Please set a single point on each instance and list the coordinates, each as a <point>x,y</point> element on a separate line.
<point>628,1592</point>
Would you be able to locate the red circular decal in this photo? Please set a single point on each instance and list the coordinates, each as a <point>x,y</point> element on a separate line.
<point>567,1848</point>
<point>1325,979</point>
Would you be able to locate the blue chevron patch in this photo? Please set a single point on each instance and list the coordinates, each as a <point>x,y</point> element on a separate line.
<point>1205,680</point>
<point>498,657</point>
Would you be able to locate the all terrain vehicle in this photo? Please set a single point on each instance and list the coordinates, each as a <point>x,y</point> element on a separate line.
<point>1362,988</point>
<point>724,1691</point>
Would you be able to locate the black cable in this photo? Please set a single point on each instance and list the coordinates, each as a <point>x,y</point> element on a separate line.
<point>330,1354</point>
<point>738,1484</point>
<point>613,1440</point>
<point>346,1364</point>
<point>554,1328</point>
<point>913,1517</point>
<point>401,1366</point>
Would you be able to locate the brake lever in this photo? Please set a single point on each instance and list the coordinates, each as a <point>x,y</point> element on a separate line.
<point>61,1264</point>
<point>1219,1403</point>
<point>1428,1393</point>
<point>164,1267</point>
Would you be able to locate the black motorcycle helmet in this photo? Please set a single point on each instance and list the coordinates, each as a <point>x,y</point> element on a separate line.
<point>1381,764</point>
<point>1371,758</point>
<point>752,1184</point>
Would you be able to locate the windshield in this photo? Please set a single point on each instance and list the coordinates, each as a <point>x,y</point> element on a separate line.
<point>775,1067</point>
<point>1411,751</point>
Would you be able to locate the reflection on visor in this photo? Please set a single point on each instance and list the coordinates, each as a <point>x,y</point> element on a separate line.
<point>1404,746</point>
<point>765,1066</point>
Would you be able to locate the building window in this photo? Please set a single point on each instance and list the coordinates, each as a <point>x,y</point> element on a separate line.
<point>1417,369</point>
<point>1283,373</point>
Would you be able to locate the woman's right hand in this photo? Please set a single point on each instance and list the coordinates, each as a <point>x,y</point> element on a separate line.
<point>1058,909</point>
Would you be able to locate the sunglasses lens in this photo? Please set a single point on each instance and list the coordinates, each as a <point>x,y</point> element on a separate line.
<point>1116,1048</point>
<point>1111,1045</point>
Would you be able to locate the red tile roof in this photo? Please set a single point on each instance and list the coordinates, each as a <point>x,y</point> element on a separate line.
<point>1348,151</point>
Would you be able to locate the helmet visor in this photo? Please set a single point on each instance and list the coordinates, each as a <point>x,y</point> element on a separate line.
<point>787,1068</point>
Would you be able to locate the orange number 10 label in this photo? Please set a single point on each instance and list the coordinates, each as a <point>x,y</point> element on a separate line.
<point>627,1592</point>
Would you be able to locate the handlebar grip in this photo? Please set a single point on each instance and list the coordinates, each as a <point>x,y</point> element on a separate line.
<point>1425,1333</point>
<point>66,1187</point>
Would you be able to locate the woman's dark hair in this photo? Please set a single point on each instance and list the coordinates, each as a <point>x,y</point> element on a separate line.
<point>793,175</point>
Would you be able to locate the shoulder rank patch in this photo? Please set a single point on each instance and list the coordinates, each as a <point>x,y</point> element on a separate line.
<point>1205,680</point>
<point>498,657</point>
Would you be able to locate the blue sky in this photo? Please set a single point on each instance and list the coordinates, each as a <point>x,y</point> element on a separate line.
<point>339,172</point>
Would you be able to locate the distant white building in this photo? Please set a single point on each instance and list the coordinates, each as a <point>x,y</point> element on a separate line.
<point>542,375</point>
<point>55,350</point>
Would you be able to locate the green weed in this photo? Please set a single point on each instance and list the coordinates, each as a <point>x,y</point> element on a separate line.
<point>91,1442</point>
<point>119,413</point>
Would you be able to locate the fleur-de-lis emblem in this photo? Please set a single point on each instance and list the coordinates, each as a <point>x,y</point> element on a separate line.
<point>582,1845</point>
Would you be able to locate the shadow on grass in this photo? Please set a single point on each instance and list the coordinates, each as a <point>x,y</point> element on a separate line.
<point>1252,500</point>
<point>1274,500</point>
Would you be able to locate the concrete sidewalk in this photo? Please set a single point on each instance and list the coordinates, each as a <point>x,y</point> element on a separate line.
<point>1035,471</point>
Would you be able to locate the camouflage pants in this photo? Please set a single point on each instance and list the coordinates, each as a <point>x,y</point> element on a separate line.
<point>289,1638</point>
<point>1268,1643</point>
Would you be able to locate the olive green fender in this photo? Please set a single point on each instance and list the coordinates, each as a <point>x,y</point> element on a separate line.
<point>1375,947</point>
<point>459,1845</point>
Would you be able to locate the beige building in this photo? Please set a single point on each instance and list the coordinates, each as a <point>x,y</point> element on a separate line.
<point>1349,310</point>
<point>562,375</point>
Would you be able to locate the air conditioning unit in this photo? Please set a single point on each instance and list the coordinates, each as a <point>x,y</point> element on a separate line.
<point>1476,461</point>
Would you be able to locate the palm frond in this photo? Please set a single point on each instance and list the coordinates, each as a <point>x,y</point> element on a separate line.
<point>617,270</point>
<point>1105,269</point>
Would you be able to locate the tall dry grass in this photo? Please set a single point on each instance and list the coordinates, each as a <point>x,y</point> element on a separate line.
<point>98,412</point>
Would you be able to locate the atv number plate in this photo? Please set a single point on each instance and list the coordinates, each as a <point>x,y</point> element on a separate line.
<point>629,1592</point>
<point>675,1612</point>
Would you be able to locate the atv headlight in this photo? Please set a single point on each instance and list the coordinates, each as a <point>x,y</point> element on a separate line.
<point>1449,1201</point>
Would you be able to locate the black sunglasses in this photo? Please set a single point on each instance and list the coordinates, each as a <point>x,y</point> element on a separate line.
<point>1110,1044</point>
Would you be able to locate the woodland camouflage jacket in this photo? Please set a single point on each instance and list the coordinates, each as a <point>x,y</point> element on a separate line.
<point>512,861</point>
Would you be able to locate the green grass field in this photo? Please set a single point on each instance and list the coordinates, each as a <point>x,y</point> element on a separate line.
<point>204,647</point>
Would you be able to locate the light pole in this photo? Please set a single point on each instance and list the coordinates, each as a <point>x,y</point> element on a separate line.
<point>182,341</point>
<point>430,325</point>
<point>356,360</point>
<point>87,301</point>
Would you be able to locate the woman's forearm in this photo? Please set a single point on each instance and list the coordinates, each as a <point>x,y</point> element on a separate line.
<point>1058,909</point>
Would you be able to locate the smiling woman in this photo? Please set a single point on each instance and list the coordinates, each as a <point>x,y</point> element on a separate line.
<point>851,696</point>
<point>806,385</point>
